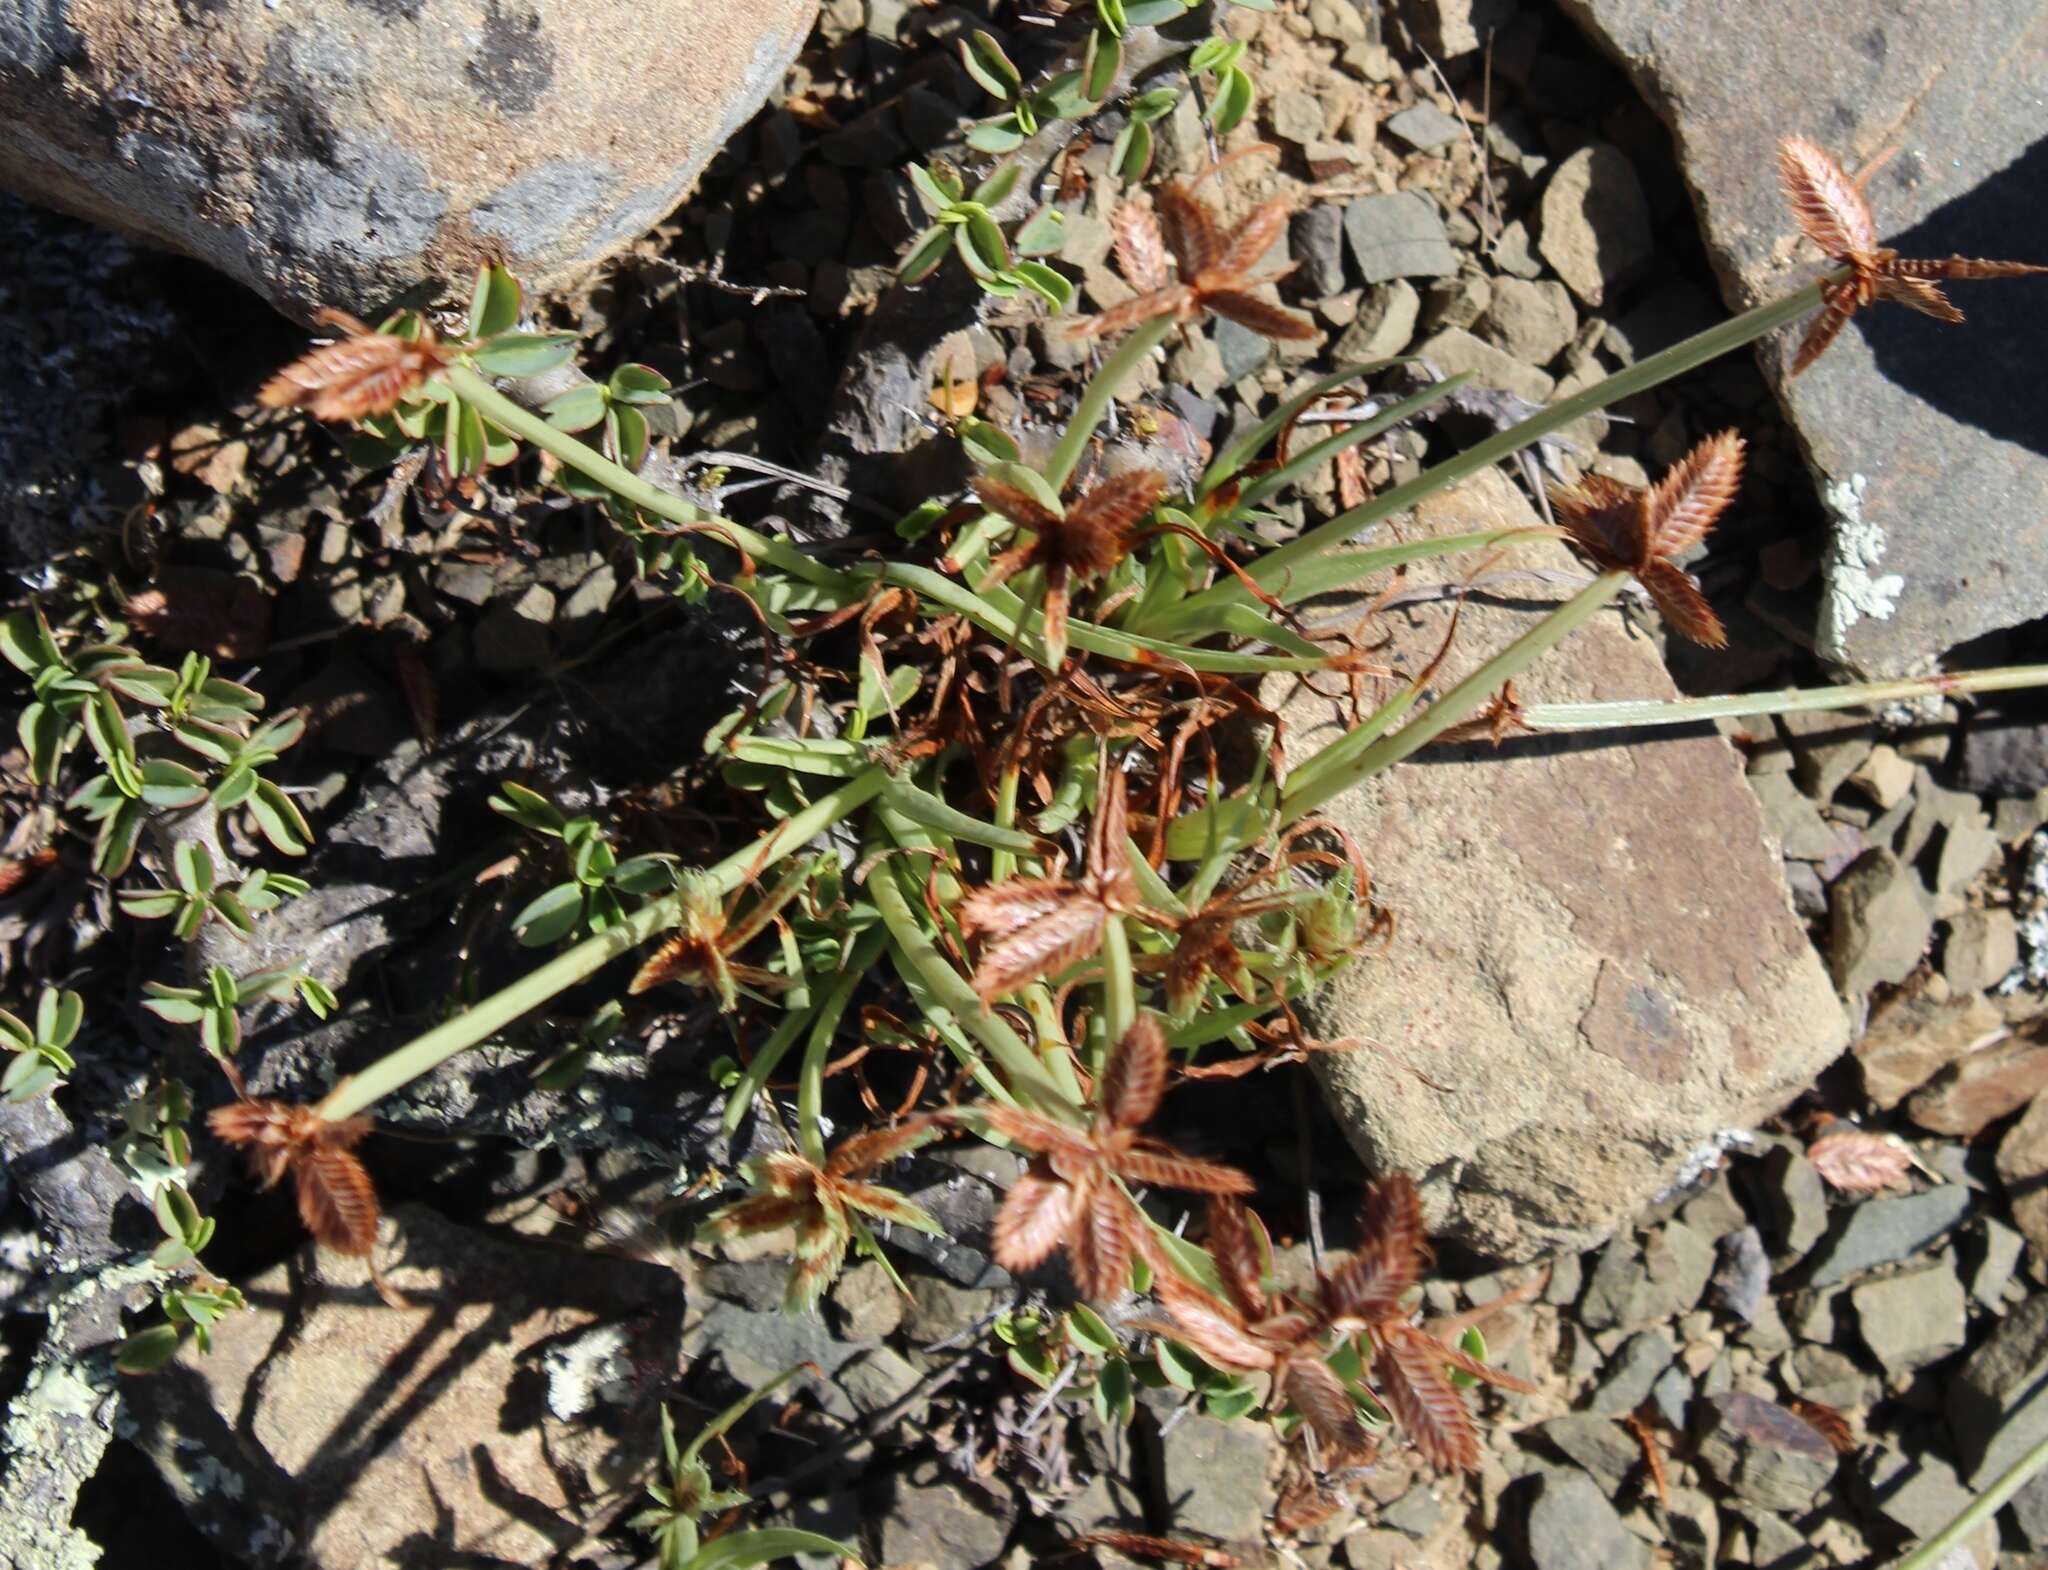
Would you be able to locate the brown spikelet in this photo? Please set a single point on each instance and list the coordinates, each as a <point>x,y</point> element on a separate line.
<point>1829,207</point>
<point>1170,1169</point>
<point>1829,1423</point>
<point>337,1200</point>
<point>1215,268</point>
<point>1210,1326</point>
<point>1063,926</point>
<point>1140,250</point>
<point>1034,1219</point>
<point>1239,1258</point>
<point>1639,531</point>
<point>1833,212</point>
<point>1653,1455</point>
<point>1313,1389</point>
<point>17,870</point>
<point>1411,1378</point>
<point>361,374</point>
<point>1103,1238</point>
<point>1859,1162</point>
<point>1135,1081</point>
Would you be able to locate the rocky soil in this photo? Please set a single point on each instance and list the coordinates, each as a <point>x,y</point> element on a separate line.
<point>1613,1071</point>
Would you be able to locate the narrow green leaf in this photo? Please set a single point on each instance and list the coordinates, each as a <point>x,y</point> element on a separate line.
<point>985,61</point>
<point>278,816</point>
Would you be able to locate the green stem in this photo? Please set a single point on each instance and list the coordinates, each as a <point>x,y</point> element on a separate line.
<point>1271,570</point>
<point>1027,1077</point>
<point>810,1079</point>
<point>476,390</point>
<point>399,1068</point>
<point>1003,863</point>
<point>1635,713</point>
<point>1454,705</point>
<point>1978,1511</point>
<point>1119,985</point>
<point>1095,401</point>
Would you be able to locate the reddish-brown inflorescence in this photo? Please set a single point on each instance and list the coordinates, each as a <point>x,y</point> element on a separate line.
<point>1036,927</point>
<point>1834,213</point>
<point>1214,268</point>
<point>337,1200</point>
<point>1069,1197</point>
<point>1366,1295</point>
<point>819,1201</point>
<point>363,372</point>
<point>1626,530</point>
<point>1085,539</point>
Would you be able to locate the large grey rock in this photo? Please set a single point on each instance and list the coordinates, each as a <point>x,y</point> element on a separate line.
<point>336,154</point>
<point>1880,1231</point>
<point>1595,964</point>
<point>1572,1526</point>
<point>1924,438</point>
<point>493,1419</point>
<point>1998,1401</point>
<point>1399,236</point>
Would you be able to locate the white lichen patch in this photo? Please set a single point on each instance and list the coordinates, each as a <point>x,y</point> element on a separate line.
<point>595,1368</point>
<point>2032,970</point>
<point>1850,591</point>
<point>1704,1159</point>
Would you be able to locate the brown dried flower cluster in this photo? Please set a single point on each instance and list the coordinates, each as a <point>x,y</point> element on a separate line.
<point>1032,928</point>
<point>820,1202</point>
<point>1627,530</point>
<point>1085,539</point>
<point>364,372</point>
<point>1214,268</point>
<point>1833,211</point>
<point>337,1200</point>
<point>1290,1340</point>
<point>1069,1196</point>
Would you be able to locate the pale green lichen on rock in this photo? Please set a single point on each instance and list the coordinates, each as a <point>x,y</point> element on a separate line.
<point>47,1445</point>
<point>1850,593</point>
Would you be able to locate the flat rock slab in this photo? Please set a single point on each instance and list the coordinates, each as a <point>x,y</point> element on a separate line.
<point>1927,440</point>
<point>1595,956</point>
<point>494,1420</point>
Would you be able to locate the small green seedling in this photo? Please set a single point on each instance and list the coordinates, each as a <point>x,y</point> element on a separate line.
<point>41,1057</point>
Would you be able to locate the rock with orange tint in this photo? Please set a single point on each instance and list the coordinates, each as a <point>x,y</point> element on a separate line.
<point>1595,973</point>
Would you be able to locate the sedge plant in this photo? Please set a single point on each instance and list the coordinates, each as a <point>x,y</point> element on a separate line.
<point>1063,876</point>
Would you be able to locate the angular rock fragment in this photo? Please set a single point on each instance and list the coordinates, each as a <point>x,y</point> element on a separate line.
<point>1582,1033</point>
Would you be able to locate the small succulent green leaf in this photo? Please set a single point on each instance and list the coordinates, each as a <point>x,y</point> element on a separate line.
<point>1234,98</point>
<point>493,303</point>
<point>27,643</point>
<point>1048,282</point>
<point>27,1077</point>
<point>551,917</point>
<point>1153,13</point>
<point>58,1016</point>
<point>192,866</point>
<point>114,847</point>
<point>997,186</point>
<point>628,427</point>
<point>147,1350</point>
<point>280,820</point>
<point>1042,233</point>
<point>985,61</point>
<point>996,136</point>
<point>639,384</point>
<point>931,196</point>
<point>925,255</point>
<point>1105,58</point>
<point>1131,154</point>
<point>525,354</point>
<point>170,786</point>
<point>578,409</point>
